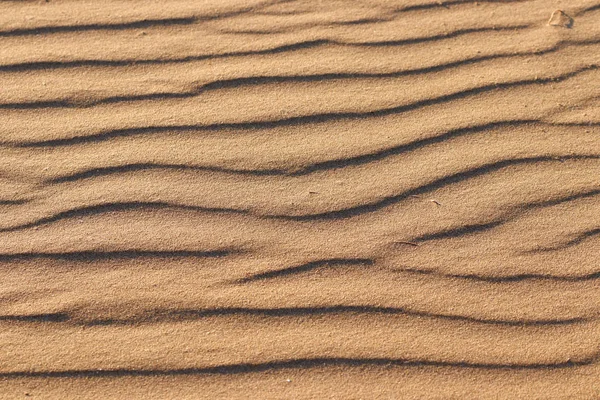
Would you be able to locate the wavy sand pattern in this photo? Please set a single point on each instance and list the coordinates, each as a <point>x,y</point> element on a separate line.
<point>299,199</point>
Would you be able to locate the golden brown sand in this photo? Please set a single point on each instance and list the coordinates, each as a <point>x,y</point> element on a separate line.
<point>300,199</point>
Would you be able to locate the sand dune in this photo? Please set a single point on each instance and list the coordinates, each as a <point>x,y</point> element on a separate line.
<point>299,199</point>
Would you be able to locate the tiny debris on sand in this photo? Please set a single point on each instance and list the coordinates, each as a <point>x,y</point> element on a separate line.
<point>559,18</point>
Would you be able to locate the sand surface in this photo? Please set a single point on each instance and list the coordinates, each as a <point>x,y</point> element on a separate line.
<point>300,199</point>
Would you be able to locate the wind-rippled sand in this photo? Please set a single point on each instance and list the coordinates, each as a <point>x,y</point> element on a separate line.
<point>294,199</point>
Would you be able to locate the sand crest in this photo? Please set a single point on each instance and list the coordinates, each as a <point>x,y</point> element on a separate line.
<point>300,199</point>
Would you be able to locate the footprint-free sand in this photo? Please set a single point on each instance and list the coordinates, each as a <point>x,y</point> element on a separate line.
<point>300,199</point>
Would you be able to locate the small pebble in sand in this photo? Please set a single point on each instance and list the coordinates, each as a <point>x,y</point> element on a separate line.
<point>559,18</point>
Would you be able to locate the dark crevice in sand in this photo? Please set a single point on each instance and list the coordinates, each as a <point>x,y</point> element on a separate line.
<point>515,212</point>
<point>406,148</point>
<point>398,42</point>
<point>280,13</point>
<point>307,267</point>
<point>504,278</point>
<point>460,32</point>
<point>251,32</point>
<point>119,169</point>
<point>119,207</point>
<point>560,200</point>
<point>107,135</point>
<point>32,105</point>
<point>98,255</point>
<point>580,238</point>
<point>13,202</point>
<point>235,13</point>
<point>49,317</point>
<point>37,65</point>
<point>460,231</point>
<point>186,315</point>
<point>299,27</point>
<point>178,315</point>
<point>129,132</point>
<point>300,363</point>
<point>589,9</point>
<point>147,23</point>
<point>362,21</point>
<point>448,3</point>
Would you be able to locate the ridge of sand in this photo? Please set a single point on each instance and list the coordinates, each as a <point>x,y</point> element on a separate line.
<point>299,199</point>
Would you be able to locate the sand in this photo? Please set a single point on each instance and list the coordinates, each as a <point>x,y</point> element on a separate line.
<point>300,199</point>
